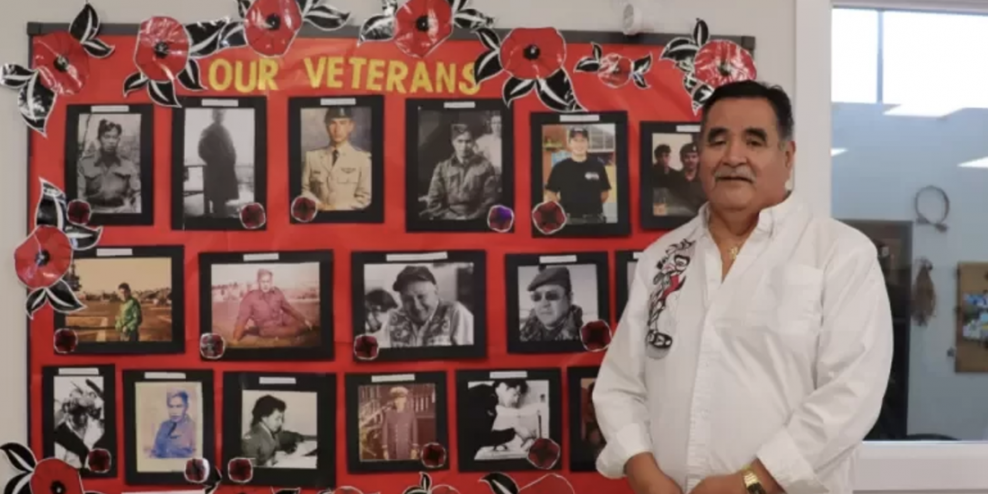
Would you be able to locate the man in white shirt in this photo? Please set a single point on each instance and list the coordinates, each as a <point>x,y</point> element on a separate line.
<point>755,348</point>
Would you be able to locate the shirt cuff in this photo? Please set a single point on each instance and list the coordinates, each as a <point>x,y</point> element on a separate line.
<point>631,440</point>
<point>783,460</point>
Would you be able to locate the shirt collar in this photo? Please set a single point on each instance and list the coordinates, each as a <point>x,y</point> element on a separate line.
<point>769,219</point>
<point>343,149</point>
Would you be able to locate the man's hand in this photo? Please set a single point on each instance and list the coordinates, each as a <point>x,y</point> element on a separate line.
<point>721,484</point>
<point>645,476</point>
<point>524,433</point>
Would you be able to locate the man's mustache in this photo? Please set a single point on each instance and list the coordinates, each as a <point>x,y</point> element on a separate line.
<point>734,173</point>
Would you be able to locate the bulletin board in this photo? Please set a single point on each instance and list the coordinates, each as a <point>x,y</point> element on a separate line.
<point>275,92</point>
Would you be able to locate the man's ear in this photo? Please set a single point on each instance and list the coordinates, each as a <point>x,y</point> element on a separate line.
<point>790,150</point>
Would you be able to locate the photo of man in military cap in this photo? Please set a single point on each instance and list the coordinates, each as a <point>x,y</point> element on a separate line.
<point>676,189</point>
<point>554,316</point>
<point>465,185</point>
<point>579,182</point>
<point>338,176</point>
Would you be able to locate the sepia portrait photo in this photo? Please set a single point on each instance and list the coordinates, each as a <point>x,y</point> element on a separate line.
<point>670,184</point>
<point>586,440</point>
<point>80,414</point>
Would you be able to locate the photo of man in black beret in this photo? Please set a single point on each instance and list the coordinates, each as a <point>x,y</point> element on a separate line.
<point>554,316</point>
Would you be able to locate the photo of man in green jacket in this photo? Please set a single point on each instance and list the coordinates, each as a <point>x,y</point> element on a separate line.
<point>129,317</point>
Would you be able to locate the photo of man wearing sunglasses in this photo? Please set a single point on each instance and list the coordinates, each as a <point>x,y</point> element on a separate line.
<point>553,314</point>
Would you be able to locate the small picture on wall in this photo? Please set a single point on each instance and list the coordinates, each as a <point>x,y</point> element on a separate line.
<point>79,415</point>
<point>671,192</point>
<point>626,263</point>
<point>585,439</point>
<point>972,318</point>
<point>337,157</point>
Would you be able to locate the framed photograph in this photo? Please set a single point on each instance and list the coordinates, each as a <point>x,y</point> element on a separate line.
<point>79,415</point>
<point>219,161</point>
<point>972,320</point>
<point>284,423</point>
<point>581,162</point>
<point>459,163</point>
<point>134,298</point>
<point>109,162</point>
<point>421,305</point>
<point>626,261</point>
<point>500,414</point>
<point>551,297</point>
<point>168,420</point>
<point>268,305</point>
<point>391,418</point>
<point>585,439</point>
<point>671,193</point>
<point>336,157</point>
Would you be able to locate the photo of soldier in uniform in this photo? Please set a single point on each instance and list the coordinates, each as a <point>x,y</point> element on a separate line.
<point>79,417</point>
<point>218,177</point>
<point>108,166</point>
<point>169,424</point>
<point>396,420</point>
<point>280,428</point>
<point>676,188</point>
<point>579,171</point>
<point>336,165</point>
<point>555,301</point>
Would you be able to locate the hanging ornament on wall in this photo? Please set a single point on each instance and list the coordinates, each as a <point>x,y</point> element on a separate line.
<point>708,64</point>
<point>615,70</point>
<point>270,26</point>
<point>49,475</point>
<point>924,296</point>
<point>61,68</point>
<point>419,26</point>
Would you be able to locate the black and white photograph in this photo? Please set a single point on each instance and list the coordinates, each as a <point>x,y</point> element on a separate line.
<point>459,163</point>
<point>285,424</point>
<point>109,162</point>
<point>671,192</point>
<point>134,300</point>
<point>79,415</point>
<point>586,441</point>
<point>551,297</point>
<point>501,413</point>
<point>391,418</point>
<point>421,305</point>
<point>268,305</point>
<point>336,157</point>
<point>626,261</point>
<point>219,161</point>
<point>580,162</point>
<point>168,420</point>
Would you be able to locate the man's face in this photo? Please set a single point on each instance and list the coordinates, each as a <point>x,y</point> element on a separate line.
<point>265,282</point>
<point>578,145</point>
<point>463,145</point>
<point>109,141</point>
<point>690,161</point>
<point>400,402</point>
<point>508,396</point>
<point>743,160</point>
<point>496,125</point>
<point>123,293</point>
<point>176,408</point>
<point>218,115</point>
<point>420,298</point>
<point>663,160</point>
<point>551,304</point>
<point>376,317</point>
<point>275,421</point>
<point>339,130</point>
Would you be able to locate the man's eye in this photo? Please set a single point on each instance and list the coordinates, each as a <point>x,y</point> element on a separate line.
<point>755,143</point>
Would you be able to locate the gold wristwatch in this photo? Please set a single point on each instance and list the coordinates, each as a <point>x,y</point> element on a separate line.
<point>751,482</point>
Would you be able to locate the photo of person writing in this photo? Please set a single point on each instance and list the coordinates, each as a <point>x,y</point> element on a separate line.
<point>503,418</point>
<point>267,437</point>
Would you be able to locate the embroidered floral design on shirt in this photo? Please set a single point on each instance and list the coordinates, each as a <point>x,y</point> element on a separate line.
<point>669,279</point>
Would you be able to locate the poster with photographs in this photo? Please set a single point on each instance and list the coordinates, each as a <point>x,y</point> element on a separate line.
<point>168,420</point>
<point>336,157</point>
<point>391,418</point>
<point>671,192</point>
<point>79,415</point>
<point>134,298</point>
<point>972,320</point>
<point>109,162</point>
<point>421,305</point>
<point>284,423</point>
<point>585,439</point>
<point>501,413</point>
<point>626,261</point>
<point>550,297</point>
<point>581,163</point>
<point>219,161</point>
<point>459,163</point>
<point>268,305</point>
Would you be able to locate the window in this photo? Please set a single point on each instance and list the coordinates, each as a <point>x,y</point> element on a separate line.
<point>854,55</point>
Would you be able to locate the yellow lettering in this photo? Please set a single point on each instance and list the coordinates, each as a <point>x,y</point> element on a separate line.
<point>333,70</point>
<point>445,78</point>
<point>397,72</point>
<point>269,69</point>
<point>468,85</point>
<point>239,83</point>
<point>315,73</point>
<point>421,78</point>
<point>375,72</point>
<point>357,63</point>
<point>220,74</point>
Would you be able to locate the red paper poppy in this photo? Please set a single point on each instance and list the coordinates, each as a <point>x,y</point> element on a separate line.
<point>240,470</point>
<point>196,470</point>
<point>544,453</point>
<point>533,53</point>
<point>271,25</point>
<point>79,212</point>
<point>500,218</point>
<point>421,25</point>
<point>549,217</point>
<point>43,258</point>
<point>65,341</point>
<point>62,62</point>
<point>162,49</point>
<point>723,62</point>
<point>54,476</point>
<point>303,209</point>
<point>365,347</point>
<point>433,455</point>
<point>99,460</point>
<point>212,346</point>
<point>252,216</point>
<point>595,336</point>
<point>615,70</point>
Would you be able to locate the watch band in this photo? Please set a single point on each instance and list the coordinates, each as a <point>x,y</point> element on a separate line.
<point>751,482</point>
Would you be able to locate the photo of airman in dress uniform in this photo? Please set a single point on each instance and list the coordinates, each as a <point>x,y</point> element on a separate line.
<point>338,176</point>
<point>107,180</point>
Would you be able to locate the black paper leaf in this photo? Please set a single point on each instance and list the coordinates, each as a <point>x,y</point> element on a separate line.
<point>640,81</point>
<point>472,19</point>
<point>556,93</point>
<point>587,64</point>
<point>35,102</point>
<point>377,28</point>
<point>415,490</point>
<point>679,49</point>
<point>35,301</point>
<point>305,5</point>
<point>500,483</point>
<point>163,93</point>
<point>701,33</point>
<point>690,81</point>
<point>93,492</point>
<point>457,5</point>
<point>134,82</point>
<point>96,48</point>
<point>232,36</point>
<point>598,51</point>
<point>642,65</point>
<point>205,37</point>
<point>425,481</point>
<point>489,38</point>
<point>20,457</point>
<point>488,65</point>
<point>62,299</point>
<point>20,484</point>
<point>515,88</point>
<point>191,77</point>
<point>327,18</point>
<point>83,237</point>
<point>211,488</point>
<point>51,209</point>
<point>85,26</point>
<point>288,491</point>
<point>242,6</point>
<point>701,94</point>
<point>15,76</point>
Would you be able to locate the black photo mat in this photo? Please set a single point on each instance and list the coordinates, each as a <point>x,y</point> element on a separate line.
<point>475,289</point>
<point>182,221</point>
<point>234,407</point>
<point>90,116</point>
<point>354,383</point>
<point>679,134</point>
<point>581,456</point>
<point>372,105</point>
<point>99,380</point>
<point>623,277</point>
<point>101,311</point>
<point>461,112</point>
<point>268,261</point>
<point>620,184</point>
<point>464,402</point>
<point>514,262</point>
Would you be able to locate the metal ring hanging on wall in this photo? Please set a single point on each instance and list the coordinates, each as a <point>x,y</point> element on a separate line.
<point>923,219</point>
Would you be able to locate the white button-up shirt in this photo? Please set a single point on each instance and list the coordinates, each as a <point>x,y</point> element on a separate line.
<point>786,359</point>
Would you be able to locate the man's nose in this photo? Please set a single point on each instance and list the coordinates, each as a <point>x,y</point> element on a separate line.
<point>735,154</point>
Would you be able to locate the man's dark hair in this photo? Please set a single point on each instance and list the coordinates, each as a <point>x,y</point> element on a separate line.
<point>124,286</point>
<point>774,95</point>
<point>106,126</point>
<point>521,384</point>
<point>264,407</point>
<point>661,149</point>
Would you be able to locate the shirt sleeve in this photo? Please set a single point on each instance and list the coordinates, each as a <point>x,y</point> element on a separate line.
<point>854,358</point>
<point>306,171</point>
<point>436,198</point>
<point>605,181</point>
<point>362,196</point>
<point>619,393</point>
<point>555,177</point>
<point>462,326</point>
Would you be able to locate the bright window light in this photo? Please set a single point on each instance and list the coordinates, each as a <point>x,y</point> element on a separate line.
<point>930,109</point>
<point>854,56</point>
<point>837,151</point>
<point>978,163</point>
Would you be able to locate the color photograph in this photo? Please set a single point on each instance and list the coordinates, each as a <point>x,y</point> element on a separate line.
<point>396,420</point>
<point>169,424</point>
<point>670,184</point>
<point>336,165</point>
<point>972,317</point>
